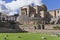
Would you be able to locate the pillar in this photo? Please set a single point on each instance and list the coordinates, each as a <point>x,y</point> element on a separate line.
<point>28,11</point>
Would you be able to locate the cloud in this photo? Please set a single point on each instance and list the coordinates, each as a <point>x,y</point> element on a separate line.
<point>2,6</point>
<point>19,3</point>
<point>16,4</point>
<point>12,12</point>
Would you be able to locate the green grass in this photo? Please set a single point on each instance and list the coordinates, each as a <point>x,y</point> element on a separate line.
<point>27,36</point>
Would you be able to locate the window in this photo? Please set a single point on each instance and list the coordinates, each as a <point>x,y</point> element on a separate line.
<point>58,16</point>
<point>3,18</point>
<point>58,11</point>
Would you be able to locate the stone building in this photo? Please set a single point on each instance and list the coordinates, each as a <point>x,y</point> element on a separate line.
<point>5,17</point>
<point>33,14</point>
<point>55,16</point>
<point>8,23</point>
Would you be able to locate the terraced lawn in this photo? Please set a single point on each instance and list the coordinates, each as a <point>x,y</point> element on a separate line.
<point>27,36</point>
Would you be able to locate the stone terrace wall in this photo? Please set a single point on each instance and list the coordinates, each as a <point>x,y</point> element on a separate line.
<point>6,30</point>
<point>48,29</point>
<point>51,26</point>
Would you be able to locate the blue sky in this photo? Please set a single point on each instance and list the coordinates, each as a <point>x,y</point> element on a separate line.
<point>8,1</point>
<point>51,4</point>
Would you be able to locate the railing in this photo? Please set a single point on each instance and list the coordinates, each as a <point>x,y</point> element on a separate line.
<point>5,18</point>
<point>55,20</point>
<point>35,18</point>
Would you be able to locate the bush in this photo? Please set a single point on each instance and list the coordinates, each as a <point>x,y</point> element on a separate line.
<point>2,24</point>
<point>39,26</point>
<point>56,27</point>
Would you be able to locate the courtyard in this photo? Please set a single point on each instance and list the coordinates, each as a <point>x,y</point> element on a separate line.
<point>28,36</point>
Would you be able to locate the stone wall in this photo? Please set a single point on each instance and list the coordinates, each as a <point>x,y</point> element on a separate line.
<point>51,26</point>
<point>47,29</point>
<point>6,30</point>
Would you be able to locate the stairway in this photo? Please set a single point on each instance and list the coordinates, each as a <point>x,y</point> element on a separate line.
<point>55,20</point>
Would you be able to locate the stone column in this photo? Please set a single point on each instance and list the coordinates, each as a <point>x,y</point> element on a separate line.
<point>1,17</point>
<point>36,10</point>
<point>13,18</point>
<point>20,12</point>
<point>5,17</point>
<point>28,11</point>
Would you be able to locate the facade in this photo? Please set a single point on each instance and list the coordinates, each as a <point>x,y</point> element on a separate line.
<point>54,13</point>
<point>5,17</point>
<point>30,14</point>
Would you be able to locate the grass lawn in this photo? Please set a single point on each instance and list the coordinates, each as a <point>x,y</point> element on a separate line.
<point>27,36</point>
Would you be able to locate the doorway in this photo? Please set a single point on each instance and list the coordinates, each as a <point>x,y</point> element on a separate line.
<point>43,27</point>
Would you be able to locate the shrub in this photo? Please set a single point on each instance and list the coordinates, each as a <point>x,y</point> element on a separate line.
<point>39,26</point>
<point>56,27</point>
<point>2,24</point>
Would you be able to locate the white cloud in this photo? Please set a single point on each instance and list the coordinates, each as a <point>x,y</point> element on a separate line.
<point>14,5</point>
<point>12,12</point>
<point>19,3</point>
<point>1,4</point>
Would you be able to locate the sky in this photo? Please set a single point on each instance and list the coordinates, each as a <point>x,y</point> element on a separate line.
<point>52,4</point>
<point>13,6</point>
